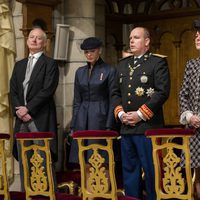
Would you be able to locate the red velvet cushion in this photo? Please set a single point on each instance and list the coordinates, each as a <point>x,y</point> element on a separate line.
<point>59,196</point>
<point>4,136</point>
<point>95,133</point>
<point>33,135</point>
<point>169,131</point>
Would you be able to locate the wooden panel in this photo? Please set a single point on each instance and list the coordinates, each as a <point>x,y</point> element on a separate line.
<point>168,48</point>
<point>33,10</point>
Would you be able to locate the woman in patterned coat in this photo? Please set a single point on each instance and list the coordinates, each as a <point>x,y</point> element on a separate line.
<point>190,106</point>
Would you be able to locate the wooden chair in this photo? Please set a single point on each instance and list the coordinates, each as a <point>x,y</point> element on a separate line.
<point>4,188</point>
<point>37,179</point>
<point>98,184</point>
<point>69,180</point>
<point>171,180</point>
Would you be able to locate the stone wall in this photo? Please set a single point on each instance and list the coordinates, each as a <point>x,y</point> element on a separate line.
<point>83,23</point>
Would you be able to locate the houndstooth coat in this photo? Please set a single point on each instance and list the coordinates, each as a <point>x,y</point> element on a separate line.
<point>190,102</point>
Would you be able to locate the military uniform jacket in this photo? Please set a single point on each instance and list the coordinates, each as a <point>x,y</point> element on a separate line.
<point>40,95</point>
<point>92,107</point>
<point>143,86</point>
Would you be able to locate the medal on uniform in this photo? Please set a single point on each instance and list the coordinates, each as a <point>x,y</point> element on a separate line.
<point>131,70</point>
<point>143,78</point>
<point>139,91</point>
<point>150,91</point>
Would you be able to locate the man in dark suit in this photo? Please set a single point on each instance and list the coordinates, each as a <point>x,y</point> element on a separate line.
<point>142,86</point>
<point>32,87</point>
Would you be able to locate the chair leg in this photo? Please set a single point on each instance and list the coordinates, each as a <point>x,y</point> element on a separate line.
<point>4,179</point>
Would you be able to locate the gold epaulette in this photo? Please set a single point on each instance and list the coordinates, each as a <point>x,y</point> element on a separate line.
<point>159,55</point>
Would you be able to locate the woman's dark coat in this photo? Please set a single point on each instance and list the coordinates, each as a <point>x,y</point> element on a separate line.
<point>92,108</point>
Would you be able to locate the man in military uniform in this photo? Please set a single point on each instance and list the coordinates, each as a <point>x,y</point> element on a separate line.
<point>142,86</point>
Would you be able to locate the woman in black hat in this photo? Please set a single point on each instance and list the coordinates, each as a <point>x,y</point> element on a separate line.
<point>93,86</point>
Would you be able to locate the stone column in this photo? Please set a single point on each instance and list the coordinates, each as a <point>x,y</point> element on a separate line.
<point>100,24</point>
<point>80,15</point>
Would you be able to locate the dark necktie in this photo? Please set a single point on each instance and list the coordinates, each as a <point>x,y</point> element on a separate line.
<point>136,60</point>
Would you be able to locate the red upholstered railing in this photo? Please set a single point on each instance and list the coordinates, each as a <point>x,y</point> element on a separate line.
<point>59,196</point>
<point>169,131</point>
<point>94,133</point>
<point>4,136</point>
<point>34,135</point>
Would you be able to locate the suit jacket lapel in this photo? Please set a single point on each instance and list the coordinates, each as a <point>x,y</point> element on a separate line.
<point>23,68</point>
<point>22,72</point>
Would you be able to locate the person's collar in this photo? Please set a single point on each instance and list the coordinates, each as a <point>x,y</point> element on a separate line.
<point>144,54</point>
<point>138,56</point>
<point>98,61</point>
<point>36,55</point>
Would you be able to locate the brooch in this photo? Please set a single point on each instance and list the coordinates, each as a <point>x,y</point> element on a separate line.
<point>150,92</point>
<point>139,91</point>
<point>120,79</point>
<point>101,77</point>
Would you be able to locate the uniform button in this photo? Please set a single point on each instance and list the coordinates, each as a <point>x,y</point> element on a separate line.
<point>129,85</point>
<point>129,102</point>
<point>129,94</point>
<point>131,78</point>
